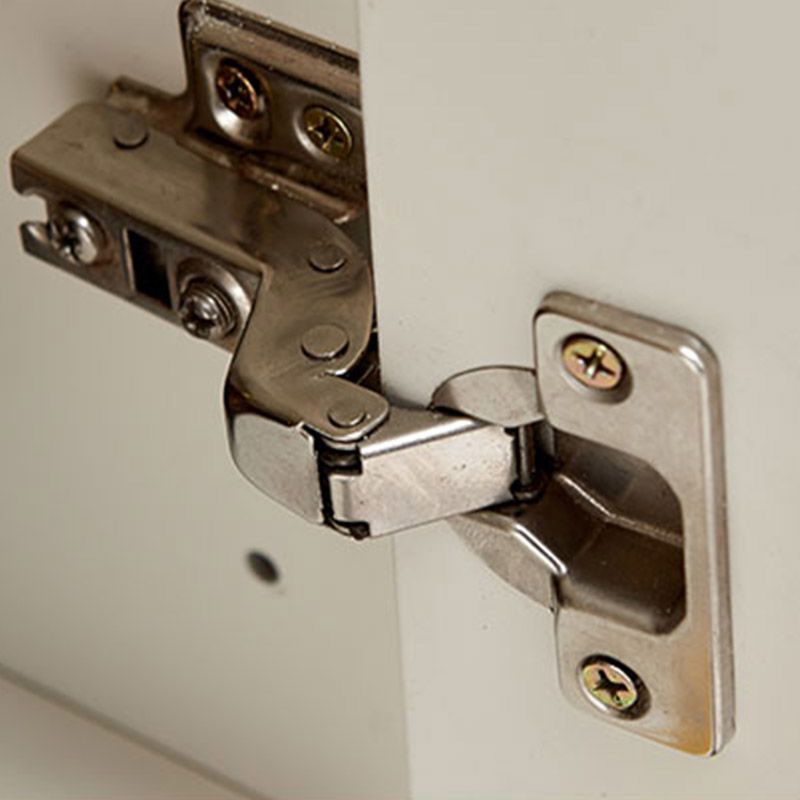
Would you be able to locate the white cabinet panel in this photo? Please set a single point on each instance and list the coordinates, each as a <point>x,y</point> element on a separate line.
<point>643,154</point>
<point>125,525</point>
<point>47,752</point>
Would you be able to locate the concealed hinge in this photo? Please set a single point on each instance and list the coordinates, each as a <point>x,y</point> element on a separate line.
<point>595,481</point>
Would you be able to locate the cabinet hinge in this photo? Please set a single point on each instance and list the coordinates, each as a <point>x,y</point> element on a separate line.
<point>238,210</point>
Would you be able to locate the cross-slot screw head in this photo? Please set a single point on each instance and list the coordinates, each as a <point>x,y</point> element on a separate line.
<point>206,311</point>
<point>593,363</point>
<point>610,685</point>
<point>75,236</point>
<point>240,90</point>
<point>328,132</point>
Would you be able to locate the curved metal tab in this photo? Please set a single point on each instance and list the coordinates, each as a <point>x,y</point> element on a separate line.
<point>505,396</point>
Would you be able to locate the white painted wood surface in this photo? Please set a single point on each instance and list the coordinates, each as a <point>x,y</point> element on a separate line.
<point>644,154</point>
<point>123,522</point>
<point>48,752</point>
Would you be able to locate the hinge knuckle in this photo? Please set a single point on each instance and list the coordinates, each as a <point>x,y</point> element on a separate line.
<point>421,466</point>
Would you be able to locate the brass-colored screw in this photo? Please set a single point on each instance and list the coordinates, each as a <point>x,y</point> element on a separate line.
<point>240,90</point>
<point>609,685</point>
<point>328,132</point>
<point>593,363</point>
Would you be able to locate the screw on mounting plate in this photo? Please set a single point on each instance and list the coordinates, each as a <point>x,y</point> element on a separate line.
<point>328,132</point>
<point>206,311</point>
<point>593,363</point>
<point>610,685</point>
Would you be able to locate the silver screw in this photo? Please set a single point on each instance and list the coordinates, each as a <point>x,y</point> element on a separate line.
<point>325,342</point>
<point>593,363</point>
<point>206,311</point>
<point>327,257</point>
<point>610,685</point>
<point>75,236</point>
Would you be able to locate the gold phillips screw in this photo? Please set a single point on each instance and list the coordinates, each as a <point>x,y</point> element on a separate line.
<point>328,132</point>
<point>593,363</point>
<point>240,91</point>
<point>609,685</point>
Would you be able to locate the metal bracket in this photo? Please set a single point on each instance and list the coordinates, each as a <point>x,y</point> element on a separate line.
<point>624,536</point>
<point>238,210</point>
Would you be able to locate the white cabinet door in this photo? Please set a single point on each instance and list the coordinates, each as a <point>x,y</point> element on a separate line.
<point>641,154</point>
<point>125,526</point>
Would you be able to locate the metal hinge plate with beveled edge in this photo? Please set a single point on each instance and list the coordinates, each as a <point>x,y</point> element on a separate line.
<point>592,483</point>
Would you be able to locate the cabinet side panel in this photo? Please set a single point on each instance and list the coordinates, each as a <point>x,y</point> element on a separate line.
<point>643,154</point>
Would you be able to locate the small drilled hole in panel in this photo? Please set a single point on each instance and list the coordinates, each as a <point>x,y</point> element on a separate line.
<point>263,567</point>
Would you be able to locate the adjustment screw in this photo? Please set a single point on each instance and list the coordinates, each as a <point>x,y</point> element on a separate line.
<point>240,90</point>
<point>328,132</point>
<point>347,413</point>
<point>610,685</point>
<point>327,257</point>
<point>593,363</point>
<point>325,342</point>
<point>206,311</point>
<point>75,236</point>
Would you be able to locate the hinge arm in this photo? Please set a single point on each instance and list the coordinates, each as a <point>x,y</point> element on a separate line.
<point>421,466</point>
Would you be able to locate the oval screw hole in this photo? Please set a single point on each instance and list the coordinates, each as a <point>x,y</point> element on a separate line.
<point>263,567</point>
